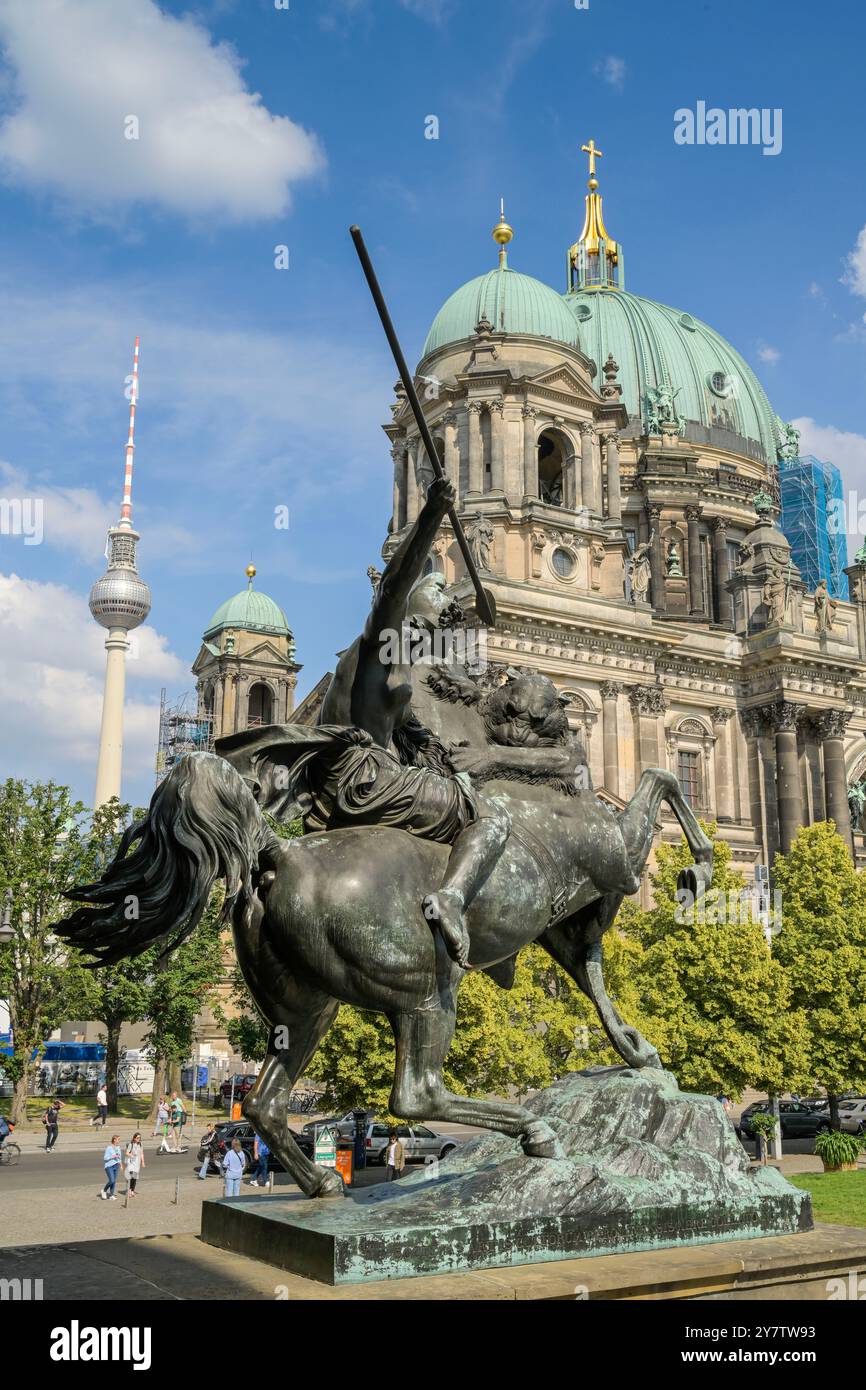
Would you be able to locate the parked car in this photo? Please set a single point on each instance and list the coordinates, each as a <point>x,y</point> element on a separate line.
<point>852,1116</point>
<point>342,1125</point>
<point>419,1142</point>
<point>796,1119</point>
<point>243,1130</point>
<point>242,1086</point>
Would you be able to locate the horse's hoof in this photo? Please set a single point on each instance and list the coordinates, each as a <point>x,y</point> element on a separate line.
<point>695,880</point>
<point>331,1185</point>
<point>539,1141</point>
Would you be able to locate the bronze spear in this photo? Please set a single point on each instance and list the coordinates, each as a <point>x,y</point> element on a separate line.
<point>482,602</point>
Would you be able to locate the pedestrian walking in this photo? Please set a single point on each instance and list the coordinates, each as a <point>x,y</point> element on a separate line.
<point>395,1159</point>
<point>101,1107</point>
<point>161,1117</point>
<point>260,1158</point>
<point>176,1116</point>
<point>134,1162</point>
<point>233,1166</point>
<point>208,1140</point>
<point>111,1160</point>
<point>51,1121</point>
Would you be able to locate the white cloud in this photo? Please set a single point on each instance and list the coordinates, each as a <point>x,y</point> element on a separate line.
<point>207,146</point>
<point>52,662</point>
<point>768,354</point>
<point>842,447</point>
<point>611,70</point>
<point>73,519</point>
<point>434,11</point>
<point>855,268</point>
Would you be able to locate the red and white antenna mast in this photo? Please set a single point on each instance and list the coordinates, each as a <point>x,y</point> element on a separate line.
<point>126,507</point>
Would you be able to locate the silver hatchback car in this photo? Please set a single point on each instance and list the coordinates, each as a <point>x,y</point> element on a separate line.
<point>420,1143</point>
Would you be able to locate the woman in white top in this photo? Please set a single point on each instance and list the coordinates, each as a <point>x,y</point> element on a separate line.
<point>161,1117</point>
<point>134,1161</point>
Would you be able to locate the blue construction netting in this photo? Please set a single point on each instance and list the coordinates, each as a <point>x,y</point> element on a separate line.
<point>813,521</point>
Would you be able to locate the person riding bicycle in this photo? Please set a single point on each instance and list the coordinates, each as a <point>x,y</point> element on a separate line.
<point>6,1128</point>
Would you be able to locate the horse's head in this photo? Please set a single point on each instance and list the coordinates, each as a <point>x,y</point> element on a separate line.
<point>527,711</point>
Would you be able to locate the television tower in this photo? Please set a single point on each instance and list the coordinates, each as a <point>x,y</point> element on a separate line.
<point>119,601</point>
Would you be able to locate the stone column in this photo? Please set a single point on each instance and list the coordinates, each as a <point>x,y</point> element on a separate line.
<point>398,454</point>
<point>724,807</point>
<point>476,451</point>
<point>784,717</point>
<point>724,606</point>
<point>497,446</point>
<point>588,489</point>
<point>610,691</point>
<point>696,577</point>
<point>657,560</point>
<point>452,452</point>
<point>614,493</point>
<point>412,490</point>
<point>830,727</point>
<point>530,452</point>
<point>647,702</point>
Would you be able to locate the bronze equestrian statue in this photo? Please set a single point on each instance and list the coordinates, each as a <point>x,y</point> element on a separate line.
<point>409,873</point>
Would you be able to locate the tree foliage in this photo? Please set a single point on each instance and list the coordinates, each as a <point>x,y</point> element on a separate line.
<point>43,850</point>
<point>822,949</point>
<point>712,998</point>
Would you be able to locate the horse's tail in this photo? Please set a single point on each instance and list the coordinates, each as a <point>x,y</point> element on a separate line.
<point>203,824</point>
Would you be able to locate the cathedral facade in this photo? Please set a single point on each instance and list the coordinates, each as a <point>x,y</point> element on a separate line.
<point>616,468</point>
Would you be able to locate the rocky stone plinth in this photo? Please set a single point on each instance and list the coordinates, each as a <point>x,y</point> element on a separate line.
<point>643,1165</point>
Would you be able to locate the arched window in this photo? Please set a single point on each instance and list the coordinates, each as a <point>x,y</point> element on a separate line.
<point>551,461</point>
<point>260,707</point>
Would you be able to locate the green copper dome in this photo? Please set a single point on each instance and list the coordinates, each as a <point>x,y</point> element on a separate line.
<point>655,345</point>
<point>250,611</point>
<point>513,303</point>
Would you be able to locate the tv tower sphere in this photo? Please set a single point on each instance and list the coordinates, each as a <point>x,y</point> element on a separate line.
<point>120,598</point>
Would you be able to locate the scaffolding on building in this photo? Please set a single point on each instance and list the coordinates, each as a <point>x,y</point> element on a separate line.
<point>813,521</point>
<point>184,727</point>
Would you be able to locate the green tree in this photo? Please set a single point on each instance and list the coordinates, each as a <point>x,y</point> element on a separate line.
<point>715,1002</point>
<point>822,950</point>
<point>43,849</point>
<point>113,994</point>
<point>179,987</point>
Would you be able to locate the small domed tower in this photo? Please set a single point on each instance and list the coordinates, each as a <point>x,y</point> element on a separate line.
<point>119,601</point>
<point>246,672</point>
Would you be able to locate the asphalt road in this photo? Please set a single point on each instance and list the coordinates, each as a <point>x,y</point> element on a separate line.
<point>37,1171</point>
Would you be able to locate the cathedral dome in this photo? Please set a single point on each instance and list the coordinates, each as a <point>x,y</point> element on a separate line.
<point>655,345</point>
<point>249,611</point>
<point>511,302</point>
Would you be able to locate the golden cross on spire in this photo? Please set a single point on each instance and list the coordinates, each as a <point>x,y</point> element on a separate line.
<point>591,150</point>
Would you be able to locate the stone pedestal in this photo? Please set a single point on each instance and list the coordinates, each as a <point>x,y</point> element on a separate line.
<point>643,1166</point>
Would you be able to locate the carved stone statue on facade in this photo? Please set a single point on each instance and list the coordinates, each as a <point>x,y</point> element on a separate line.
<point>825,608</point>
<point>775,596</point>
<point>789,446</point>
<point>640,571</point>
<point>480,537</point>
<point>662,415</point>
<point>674,569</point>
<point>856,803</point>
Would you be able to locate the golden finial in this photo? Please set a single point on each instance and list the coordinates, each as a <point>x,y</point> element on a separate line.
<point>250,573</point>
<point>594,154</point>
<point>502,233</point>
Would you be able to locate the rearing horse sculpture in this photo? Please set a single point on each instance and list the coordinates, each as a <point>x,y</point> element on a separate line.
<point>414,875</point>
<point>334,917</point>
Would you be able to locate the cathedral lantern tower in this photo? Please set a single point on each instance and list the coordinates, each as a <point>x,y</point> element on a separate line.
<point>246,672</point>
<point>595,261</point>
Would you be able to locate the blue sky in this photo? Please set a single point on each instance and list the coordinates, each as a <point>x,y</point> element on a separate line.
<point>262,388</point>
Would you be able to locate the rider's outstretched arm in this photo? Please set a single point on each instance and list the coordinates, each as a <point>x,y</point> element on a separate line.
<point>406,565</point>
